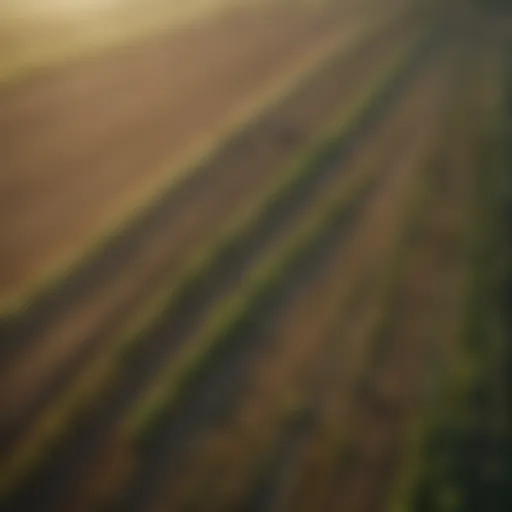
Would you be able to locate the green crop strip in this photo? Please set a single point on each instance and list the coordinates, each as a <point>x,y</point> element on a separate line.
<point>228,319</point>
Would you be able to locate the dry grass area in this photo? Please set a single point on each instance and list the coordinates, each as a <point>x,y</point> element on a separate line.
<point>38,34</point>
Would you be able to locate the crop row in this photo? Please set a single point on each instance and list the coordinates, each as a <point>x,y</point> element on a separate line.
<point>225,322</point>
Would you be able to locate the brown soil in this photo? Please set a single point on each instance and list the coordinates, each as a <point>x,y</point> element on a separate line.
<point>77,147</point>
<point>116,292</point>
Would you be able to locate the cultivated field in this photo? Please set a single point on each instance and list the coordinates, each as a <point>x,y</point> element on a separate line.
<point>258,262</point>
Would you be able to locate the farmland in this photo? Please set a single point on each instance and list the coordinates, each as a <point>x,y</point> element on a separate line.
<point>259,261</point>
